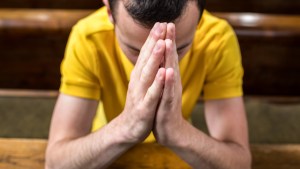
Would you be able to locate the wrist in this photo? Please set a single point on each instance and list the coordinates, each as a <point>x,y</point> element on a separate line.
<point>176,135</point>
<point>133,131</point>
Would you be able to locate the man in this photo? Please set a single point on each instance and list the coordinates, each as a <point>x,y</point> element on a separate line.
<point>148,78</point>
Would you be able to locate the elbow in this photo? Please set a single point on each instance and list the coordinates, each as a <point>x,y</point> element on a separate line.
<point>246,160</point>
<point>50,158</point>
<point>241,159</point>
<point>48,163</point>
<point>47,166</point>
<point>242,162</point>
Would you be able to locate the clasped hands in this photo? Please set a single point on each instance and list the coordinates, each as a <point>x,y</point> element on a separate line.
<point>153,101</point>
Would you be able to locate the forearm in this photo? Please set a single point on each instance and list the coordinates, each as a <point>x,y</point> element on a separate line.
<point>202,151</point>
<point>96,150</point>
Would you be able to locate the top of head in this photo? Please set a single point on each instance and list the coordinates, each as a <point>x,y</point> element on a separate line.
<point>148,12</point>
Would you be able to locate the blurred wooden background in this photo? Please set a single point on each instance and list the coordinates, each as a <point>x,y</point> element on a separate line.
<point>33,40</point>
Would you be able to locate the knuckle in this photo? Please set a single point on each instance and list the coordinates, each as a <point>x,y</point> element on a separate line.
<point>139,108</point>
<point>150,96</point>
<point>156,52</point>
<point>167,102</point>
<point>155,35</point>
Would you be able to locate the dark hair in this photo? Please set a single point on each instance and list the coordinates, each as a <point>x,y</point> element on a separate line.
<point>147,12</point>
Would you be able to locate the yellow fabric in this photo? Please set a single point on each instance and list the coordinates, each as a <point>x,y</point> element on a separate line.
<point>94,66</point>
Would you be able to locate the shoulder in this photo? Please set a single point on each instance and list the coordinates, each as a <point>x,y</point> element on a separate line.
<point>92,34</point>
<point>213,31</point>
<point>214,35</point>
<point>212,25</point>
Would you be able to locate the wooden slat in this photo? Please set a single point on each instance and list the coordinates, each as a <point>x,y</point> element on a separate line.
<point>270,52</point>
<point>22,153</point>
<point>257,6</point>
<point>40,21</point>
<point>35,21</point>
<point>263,25</point>
<point>51,4</point>
<point>276,156</point>
<point>29,153</point>
<point>28,93</point>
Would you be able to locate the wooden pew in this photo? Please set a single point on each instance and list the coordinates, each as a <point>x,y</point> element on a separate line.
<point>30,153</point>
<point>32,45</point>
<point>270,51</point>
<point>52,4</point>
<point>256,6</point>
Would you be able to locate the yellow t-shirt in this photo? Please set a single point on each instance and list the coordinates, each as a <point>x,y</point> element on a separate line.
<point>94,66</point>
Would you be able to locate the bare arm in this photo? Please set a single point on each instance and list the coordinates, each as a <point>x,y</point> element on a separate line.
<point>70,143</point>
<point>226,147</point>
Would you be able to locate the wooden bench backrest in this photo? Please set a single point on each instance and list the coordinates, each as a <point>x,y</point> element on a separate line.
<point>32,46</point>
<point>256,6</point>
<point>51,4</point>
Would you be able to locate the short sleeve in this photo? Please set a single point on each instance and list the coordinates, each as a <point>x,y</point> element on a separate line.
<point>224,71</point>
<point>78,68</point>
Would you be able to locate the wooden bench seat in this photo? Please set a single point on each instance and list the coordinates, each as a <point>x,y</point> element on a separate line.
<point>30,154</point>
<point>32,46</point>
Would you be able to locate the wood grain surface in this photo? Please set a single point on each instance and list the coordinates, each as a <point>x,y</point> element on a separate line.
<point>29,154</point>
